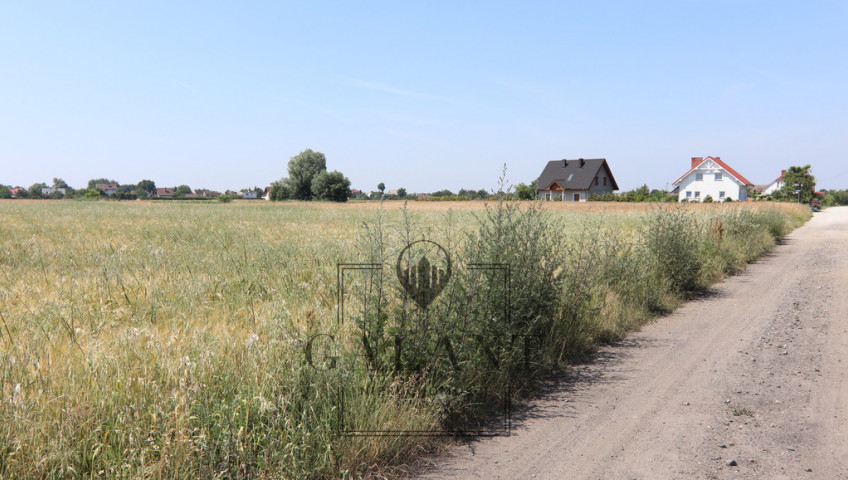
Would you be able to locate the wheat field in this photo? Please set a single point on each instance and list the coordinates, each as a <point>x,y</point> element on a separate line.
<point>166,340</point>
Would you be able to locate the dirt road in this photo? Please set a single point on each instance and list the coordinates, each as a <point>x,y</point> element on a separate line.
<point>750,382</point>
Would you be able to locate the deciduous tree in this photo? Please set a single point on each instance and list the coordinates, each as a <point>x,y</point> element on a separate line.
<point>147,186</point>
<point>35,190</point>
<point>331,186</point>
<point>524,192</point>
<point>800,184</point>
<point>182,191</point>
<point>279,190</point>
<point>303,168</point>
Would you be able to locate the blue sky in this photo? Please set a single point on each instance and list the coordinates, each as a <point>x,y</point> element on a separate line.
<point>421,95</point>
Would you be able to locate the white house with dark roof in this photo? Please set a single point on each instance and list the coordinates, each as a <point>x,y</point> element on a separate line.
<point>575,180</point>
<point>710,176</point>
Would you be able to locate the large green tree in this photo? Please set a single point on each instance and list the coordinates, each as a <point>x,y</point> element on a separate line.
<point>5,192</point>
<point>147,186</point>
<point>331,186</point>
<point>279,190</point>
<point>182,191</point>
<point>800,184</point>
<point>524,192</point>
<point>303,168</point>
<point>35,190</point>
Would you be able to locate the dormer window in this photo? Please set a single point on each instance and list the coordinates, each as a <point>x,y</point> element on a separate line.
<point>717,177</point>
<point>699,177</point>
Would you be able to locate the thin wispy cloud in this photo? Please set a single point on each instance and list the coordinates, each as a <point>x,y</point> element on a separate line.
<point>739,88</point>
<point>358,122</point>
<point>398,133</point>
<point>405,118</point>
<point>381,87</point>
<point>186,86</point>
<point>767,74</point>
<point>526,87</point>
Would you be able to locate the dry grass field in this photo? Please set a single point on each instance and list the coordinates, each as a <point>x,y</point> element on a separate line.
<point>166,340</point>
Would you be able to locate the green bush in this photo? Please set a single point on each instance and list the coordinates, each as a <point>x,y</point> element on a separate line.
<point>672,240</point>
<point>773,221</point>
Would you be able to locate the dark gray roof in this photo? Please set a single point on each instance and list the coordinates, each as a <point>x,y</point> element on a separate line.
<point>573,174</point>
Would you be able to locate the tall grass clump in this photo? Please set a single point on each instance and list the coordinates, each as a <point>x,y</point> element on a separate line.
<point>605,287</point>
<point>673,240</point>
<point>527,240</point>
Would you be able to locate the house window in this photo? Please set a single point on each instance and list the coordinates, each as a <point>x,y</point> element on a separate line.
<point>718,177</point>
<point>697,194</point>
<point>596,181</point>
<point>576,197</point>
<point>605,181</point>
<point>688,194</point>
<point>720,194</point>
<point>699,177</point>
<point>570,177</point>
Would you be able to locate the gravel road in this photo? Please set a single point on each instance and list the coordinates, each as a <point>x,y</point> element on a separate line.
<point>749,382</point>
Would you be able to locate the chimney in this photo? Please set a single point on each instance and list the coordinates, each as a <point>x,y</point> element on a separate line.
<point>582,162</point>
<point>564,163</point>
<point>782,173</point>
<point>697,161</point>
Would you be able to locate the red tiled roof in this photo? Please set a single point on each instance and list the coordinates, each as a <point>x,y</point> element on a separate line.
<point>723,165</point>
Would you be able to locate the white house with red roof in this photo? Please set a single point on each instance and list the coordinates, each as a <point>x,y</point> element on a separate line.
<point>710,176</point>
<point>775,185</point>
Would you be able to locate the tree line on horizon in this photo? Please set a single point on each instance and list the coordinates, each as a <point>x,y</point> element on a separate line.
<point>142,189</point>
<point>308,179</point>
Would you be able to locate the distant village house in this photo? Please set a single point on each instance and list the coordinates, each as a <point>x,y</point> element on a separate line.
<point>107,188</point>
<point>48,190</point>
<point>204,193</point>
<point>775,185</point>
